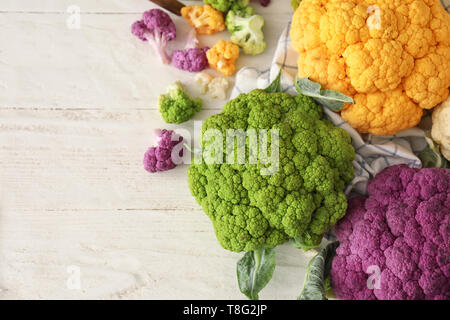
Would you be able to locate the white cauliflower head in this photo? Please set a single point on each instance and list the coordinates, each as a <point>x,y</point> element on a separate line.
<point>441,127</point>
<point>202,80</point>
<point>217,88</point>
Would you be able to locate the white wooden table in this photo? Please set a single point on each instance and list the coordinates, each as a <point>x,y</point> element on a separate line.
<point>77,109</point>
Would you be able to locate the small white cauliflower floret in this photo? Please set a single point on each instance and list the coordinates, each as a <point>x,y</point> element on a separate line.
<point>202,80</point>
<point>217,88</point>
<point>441,127</point>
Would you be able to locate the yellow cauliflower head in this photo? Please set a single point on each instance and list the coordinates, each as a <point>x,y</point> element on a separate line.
<point>391,56</point>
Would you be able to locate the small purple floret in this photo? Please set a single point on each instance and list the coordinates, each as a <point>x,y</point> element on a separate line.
<point>139,29</point>
<point>159,158</point>
<point>193,59</point>
<point>159,21</point>
<point>157,28</point>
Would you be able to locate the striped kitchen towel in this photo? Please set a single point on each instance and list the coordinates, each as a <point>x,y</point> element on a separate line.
<point>373,153</point>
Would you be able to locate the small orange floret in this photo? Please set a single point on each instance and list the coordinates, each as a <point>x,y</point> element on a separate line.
<point>222,57</point>
<point>205,20</point>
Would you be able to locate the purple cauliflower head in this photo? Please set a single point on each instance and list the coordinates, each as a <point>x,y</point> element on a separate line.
<point>193,59</point>
<point>157,28</point>
<point>159,158</point>
<point>395,243</point>
<point>158,21</point>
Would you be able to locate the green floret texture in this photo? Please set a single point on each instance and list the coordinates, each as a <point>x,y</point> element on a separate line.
<point>243,11</point>
<point>177,106</point>
<point>246,32</point>
<point>225,5</point>
<point>302,200</point>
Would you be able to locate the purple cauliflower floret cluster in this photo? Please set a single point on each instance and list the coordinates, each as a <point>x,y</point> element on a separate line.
<point>402,230</point>
<point>157,28</point>
<point>139,29</point>
<point>192,59</point>
<point>159,158</point>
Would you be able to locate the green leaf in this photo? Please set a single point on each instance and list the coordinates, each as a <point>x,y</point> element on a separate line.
<point>330,99</point>
<point>329,293</point>
<point>431,156</point>
<point>317,281</point>
<point>254,271</point>
<point>295,4</point>
<point>191,150</point>
<point>307,241</point>
<point>275,86</point>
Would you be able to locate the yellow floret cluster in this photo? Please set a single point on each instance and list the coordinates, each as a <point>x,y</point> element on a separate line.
<point>222,57</point>
<point>391,56</point>
<point>205,20</point>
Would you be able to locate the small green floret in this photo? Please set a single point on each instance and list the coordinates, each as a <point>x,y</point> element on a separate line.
<point>225,5</point>
<point>177,106</point>
<point>246,32</point>
<point>246,11</point>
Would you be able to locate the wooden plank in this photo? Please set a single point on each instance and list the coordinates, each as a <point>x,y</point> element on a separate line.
<point>114,6</point>
<point>139,255</point>
<point>91,159</point>
<point>100,65</point>
<point>88,6</point>
<point>74,193</point>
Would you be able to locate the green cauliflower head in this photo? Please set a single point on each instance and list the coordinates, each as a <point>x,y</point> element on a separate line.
<point>302,200</point>
<point>177,106</point>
